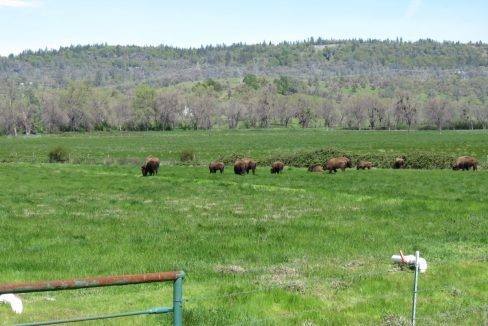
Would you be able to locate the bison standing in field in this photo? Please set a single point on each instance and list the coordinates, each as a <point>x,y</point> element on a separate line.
<point>250,165</point>
<point>465,163</point>
<point>338,163</point>
<point>315,168</point>
<point>363,165</point>
<point>277,167</point>
<point>240,167</point>
<point>399,163</point>
<point>150,166</point>
<point>216,166</point>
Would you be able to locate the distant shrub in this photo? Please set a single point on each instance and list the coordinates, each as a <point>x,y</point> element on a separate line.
<point>58,154</point>
<point>231,158</point>
<point>187,155</point>
<point>414,160</point>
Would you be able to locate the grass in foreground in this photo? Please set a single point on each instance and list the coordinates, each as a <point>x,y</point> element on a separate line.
<point>297,247</point>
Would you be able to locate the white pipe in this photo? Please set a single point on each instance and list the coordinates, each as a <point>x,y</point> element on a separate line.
<point>410,260</point>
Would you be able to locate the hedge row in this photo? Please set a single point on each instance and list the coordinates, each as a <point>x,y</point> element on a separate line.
<point>414,159</point>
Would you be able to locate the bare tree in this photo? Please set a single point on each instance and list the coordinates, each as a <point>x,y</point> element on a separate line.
<point>389,117</point>
<point>304,111</point>
<point>234,111</point>
<point>200,111</point>
<point>327,112</point>
<point>99,110</point>
<point>8,110</point>
<point>376,110</point>
<point>265,103</point>
<point>283,110</point>
<point>356,111</point>
<point>438,112</point>
<point>251,113</point>
<point>168,108</point>
<point>53,117</point>
<point>406,110</point>
<point>123,113</point>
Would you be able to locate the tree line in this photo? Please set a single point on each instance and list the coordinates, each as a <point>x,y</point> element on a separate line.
<point>362,102</point>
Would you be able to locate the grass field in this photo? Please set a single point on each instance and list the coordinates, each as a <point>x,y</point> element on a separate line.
<point>290,249</point>
<point>260,144</point>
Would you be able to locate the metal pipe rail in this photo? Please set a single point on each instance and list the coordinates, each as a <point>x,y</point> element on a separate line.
<point>102,281</point>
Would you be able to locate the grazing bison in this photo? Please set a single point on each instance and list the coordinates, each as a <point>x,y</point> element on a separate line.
<point>315,168</point>
<point>364,165</point>
<point>399,163</point>
<point>250,165</point>
<point>216,166</point>
<point>338,163</point>
<point>465,163</point>
<point>240,167</point>
<point>277,167</point>
<point>150,166</point>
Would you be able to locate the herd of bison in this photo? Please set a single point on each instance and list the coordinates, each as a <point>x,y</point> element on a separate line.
<point>245,165</point>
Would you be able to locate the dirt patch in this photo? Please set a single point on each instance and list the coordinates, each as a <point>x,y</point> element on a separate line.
<point>229,269</point>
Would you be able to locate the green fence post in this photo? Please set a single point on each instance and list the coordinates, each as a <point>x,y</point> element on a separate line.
<point>178,300</point>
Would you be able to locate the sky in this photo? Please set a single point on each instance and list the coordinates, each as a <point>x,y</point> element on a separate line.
<point>40,24</point>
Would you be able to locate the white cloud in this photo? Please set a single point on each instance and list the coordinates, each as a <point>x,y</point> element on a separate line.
<point>19,3</point>
<point>412,8</point>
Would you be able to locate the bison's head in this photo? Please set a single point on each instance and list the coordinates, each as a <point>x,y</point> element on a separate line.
<point>455,167</point>
<point>144,170</point>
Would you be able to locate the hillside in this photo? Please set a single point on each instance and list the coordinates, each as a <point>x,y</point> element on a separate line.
<point>162,65</point>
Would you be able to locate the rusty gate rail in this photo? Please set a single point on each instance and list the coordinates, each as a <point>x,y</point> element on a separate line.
<point>102,281</point>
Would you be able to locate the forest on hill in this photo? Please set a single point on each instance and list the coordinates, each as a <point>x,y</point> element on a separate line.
<point>351,84</point>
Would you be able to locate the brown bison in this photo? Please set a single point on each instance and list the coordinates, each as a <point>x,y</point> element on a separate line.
<point>150,166</point>
<point>315,168</point>
<point>240,167</point>
<point>277,167</point>
<point>338,163</point>
<point>399,163</point>
<point>364,165</point>
<point>250,165</point>
<point>216,166</point>
<point>465,163</point>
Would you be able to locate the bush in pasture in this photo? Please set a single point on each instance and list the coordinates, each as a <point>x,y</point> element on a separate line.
<point>414,160</point>
<point>231,158</point>
<point>58,154</point>
<point>187,155</point>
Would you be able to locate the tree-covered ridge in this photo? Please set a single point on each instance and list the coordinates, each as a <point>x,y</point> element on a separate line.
<point>164,65</point>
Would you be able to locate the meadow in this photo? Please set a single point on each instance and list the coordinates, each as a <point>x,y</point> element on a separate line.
<point>122,147</point>
<point>290,249</point>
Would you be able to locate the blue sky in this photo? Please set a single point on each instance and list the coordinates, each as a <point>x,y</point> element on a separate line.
<point>34,24</point>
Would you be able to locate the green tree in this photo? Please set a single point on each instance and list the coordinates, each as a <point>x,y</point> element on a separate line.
<point>251,81</point>
<point>144,106</point>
